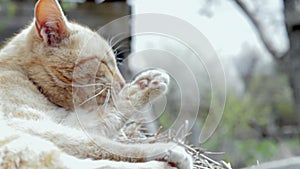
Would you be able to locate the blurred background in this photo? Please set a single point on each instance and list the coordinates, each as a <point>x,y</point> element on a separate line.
<point>257,43</point>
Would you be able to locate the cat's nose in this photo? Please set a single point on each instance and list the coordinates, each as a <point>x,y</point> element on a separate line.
<point>122,85</point>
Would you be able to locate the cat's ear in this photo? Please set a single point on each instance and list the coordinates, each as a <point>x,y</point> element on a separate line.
<point>50,22</point>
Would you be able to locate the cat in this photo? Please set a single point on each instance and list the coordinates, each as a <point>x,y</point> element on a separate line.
<point>63,99</point>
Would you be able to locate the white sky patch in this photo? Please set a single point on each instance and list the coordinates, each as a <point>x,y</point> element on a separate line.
<point>228,30</point>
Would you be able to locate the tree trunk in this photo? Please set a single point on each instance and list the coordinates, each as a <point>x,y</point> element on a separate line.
<point>291,62</point>
<point>292,67</point>
<point>295,85</point>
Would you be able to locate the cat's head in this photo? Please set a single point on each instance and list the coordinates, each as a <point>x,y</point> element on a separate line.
<point>68,55</point>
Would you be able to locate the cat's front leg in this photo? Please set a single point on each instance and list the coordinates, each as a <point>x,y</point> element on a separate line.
<point>77,143</point>
<point>145,88</point>
<point>21,150</point>
<point>172,153</point>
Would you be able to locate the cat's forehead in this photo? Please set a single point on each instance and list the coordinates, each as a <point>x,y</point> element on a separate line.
<point>90,42</point>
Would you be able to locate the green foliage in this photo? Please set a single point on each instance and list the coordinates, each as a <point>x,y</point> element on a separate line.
<point>165,120</point>
<point>267,99</point>
<point>253,150</point>
<point>12,9</point>
<point>68,6</point>
<point>9,9</point>
<point>293,144</point>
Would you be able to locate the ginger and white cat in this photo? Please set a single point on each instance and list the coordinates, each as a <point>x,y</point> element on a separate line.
<point>62,99</point>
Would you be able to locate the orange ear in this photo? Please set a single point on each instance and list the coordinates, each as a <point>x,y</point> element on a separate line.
<point>50,21</point>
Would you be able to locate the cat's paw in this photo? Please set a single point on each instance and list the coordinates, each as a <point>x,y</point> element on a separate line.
<point>175,156</point>
<point>178,157</point>
<point>155,165</point>
<point>146,87</point>
<point>153,81</point>
<point>150,83</point>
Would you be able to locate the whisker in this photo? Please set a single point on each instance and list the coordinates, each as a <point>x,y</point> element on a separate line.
<point>119,47</point>
<point>113,96</point>
<point>122,51</point>
<point>103,79</point>
<point>93,96</point>
<point>112,38</point>
<point>88,85</point>
<point>99,88</point>
<point>120,36</point>
<point>120,59</point>
<point>107,98</point>
<point>120,63</point>
<point>109,39</point>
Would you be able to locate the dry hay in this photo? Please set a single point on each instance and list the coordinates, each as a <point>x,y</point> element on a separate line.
<point>133,132</point>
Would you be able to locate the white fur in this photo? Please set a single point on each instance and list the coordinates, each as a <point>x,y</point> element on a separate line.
<point>35,133</point>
